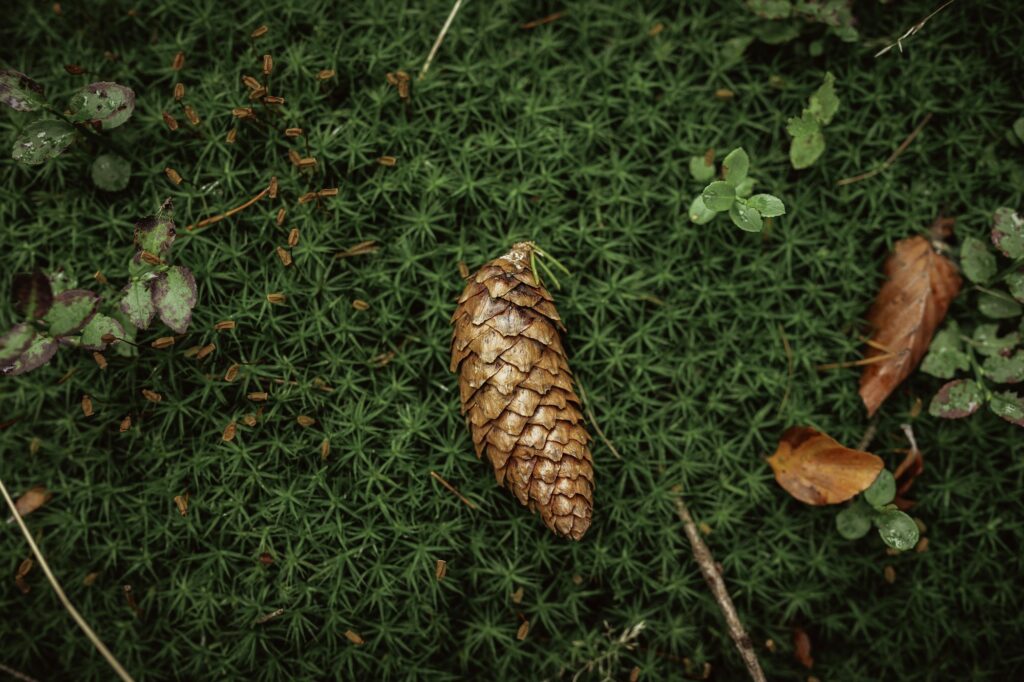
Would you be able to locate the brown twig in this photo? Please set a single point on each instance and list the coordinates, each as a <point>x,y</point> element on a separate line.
<point>227,214</point>
<point>554,16</point>
<point>597,427</point>
<point>440,38</point>
<point>869,435</point>
<point>16,675</point>
<point>100,646</point>
<point>711,574</point>
<point>892,157</point>
<point>453,489</point>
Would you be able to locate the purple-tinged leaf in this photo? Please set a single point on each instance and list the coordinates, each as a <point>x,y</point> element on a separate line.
<point>137,303</point>
<point>957,399</point>
<point>71,311</point>
<point>100,325</point>
<point>174,296</point>
<point>38,353</point>
<point>1008,406</point>
<point>155,234</point>
<point>14,342</point>
<point>20,92</point>
<point>109,103</point>
<point>1008,232</point>
<point>33,294</point>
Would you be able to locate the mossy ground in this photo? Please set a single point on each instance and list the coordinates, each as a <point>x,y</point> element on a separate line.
<point>577,135</point>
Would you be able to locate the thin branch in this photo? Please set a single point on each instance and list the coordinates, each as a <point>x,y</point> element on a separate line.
<point>16,675</point>
<point>455,491</point>
<point>892,157</point>
<point>869,435</point>
<point>709,569</point>
<point>227,214</point>
<point>555,16</point>
<point>856,363</point>
<point>100,646</point>
<point>597,427</point>
<point>912,30</point>
<point>440,38</point>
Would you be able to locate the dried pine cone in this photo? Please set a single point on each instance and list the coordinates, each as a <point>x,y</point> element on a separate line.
<point>517,392</point>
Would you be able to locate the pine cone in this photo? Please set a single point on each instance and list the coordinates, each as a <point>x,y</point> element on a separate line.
<point>517,392</point>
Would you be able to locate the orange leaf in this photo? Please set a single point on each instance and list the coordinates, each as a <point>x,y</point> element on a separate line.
<point>911,304</point>
<point>815,469</point>
<point>802,647</point>
<point>33,498</point>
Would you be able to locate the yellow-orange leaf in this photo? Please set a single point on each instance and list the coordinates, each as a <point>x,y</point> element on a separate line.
<point>33,498</point>
<point>817,470</point>
<point>910,306</point>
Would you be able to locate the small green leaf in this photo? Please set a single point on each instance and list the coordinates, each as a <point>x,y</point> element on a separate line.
<point>155,234</point>
<point>998,305</point>
<point>746,187</point>
<point>1008,232</point>
<point>882,491</point>
<point>109,103</point>
<point>945,354</point>
<point>1005,370</point>
<point>735,166</point>
<point>20,92</point>
<point>777,32</point>
<point>897,530</point>
<point>99,325</point>
<point>1008,406</point>
<point>719,196</point>
<point>824,103</point>
<point>979,264</point>
<point>745,217</point>
<point>70,312</point>
<point>1018,128</point>
<point>699,213</point>
<point>957,399</point>
<point>41,141</point>
<point>767,205</point>
<point>39,352</point>
<point>701,171</point>
<point>806,149</point>
<point>1015,283</point>
<point>14,343</point>
<point>174,295</point>
<point>804,126</point>
<point>854,521</point>
<point>137,303</point>
<point>986,340</point>
<point>111,173</point>
<point>771,9</point>
<point>732,51</point>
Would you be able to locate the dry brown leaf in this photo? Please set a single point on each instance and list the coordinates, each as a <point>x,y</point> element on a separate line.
<point>19,577</point>
<point>815,469</point>
<point>33,498</point>
<point>802,648</point>
<point>909,307</point>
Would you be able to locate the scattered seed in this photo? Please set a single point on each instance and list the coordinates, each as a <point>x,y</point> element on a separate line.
<point>383,359</point>
<point>305,421</point>
<point>258,396</point>
<point>634,674</point>
<point>126,424</point>
<point>191,115</point>
<point>269,617</point>
<point>231,374</point>
<point>87,405</point>
<point>151,396</point>
<point>325,448</point>
<point>100,277</point>
<point>724,94</point>
<point>359,249</point>
<point>249,420</point>
<point>440,569</point>
<point>577,579</point>
<point>108,338</point>
<point>769,644</point>
<point>266,559</point>
<point>272,188</point>
<point>293,237</point>
<point>921,527</point>
<point>101,361</point>
<point>232,136</point>
<point>179,91</point>
<point>307,197</point>
<point>229,432</point>
<point>224,325</point>
<point>915,410</point>
<point>252,83</point>
<point>178,62</point>
<point>889,573</point>
<point>325,74</point>
<point>388,161</point>
<point>656,29</point>
<point>19,577</point>
<point>74,69</point>
<point>354,637</point>
<point>399,80</point>
<point>463,270</point>
<point>277,299</point>
<point>90,579</point>
<point>172,175</point>
<point>34,445</point>
<point>705,529</point>
<point>259,32</point>
<point>360,304</point>
<point>130,598</point>
<point>307,162</point>
<point>329,192</point>
<point>286,258</point>
<point>181,501</point>
<point>293,132</point>
<point>170,121</point>
<point>281,212</point>
<point>242,112</point>
<point>294,157</point>
<point>268,64</point>
<point>163,342</point>
<point>205,351</point>
<point>524,629</point>
<point>57,9</point>
<point>517,596</point>
<point>922,546</point>
<point>191,351</point>
<point>273,99</point>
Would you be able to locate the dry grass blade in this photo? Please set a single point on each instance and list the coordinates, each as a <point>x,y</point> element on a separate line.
<point>440,479</point>
<point>892,157</point>
<point>227,214</point>
<point>912,30</point>
<point>440,38</point>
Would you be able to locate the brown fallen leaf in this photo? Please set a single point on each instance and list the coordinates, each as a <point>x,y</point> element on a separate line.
<point>19,577</point>
<point>909,307</point>
<point>815,469</point>
<point>802,648</point>
<point>32,499</point>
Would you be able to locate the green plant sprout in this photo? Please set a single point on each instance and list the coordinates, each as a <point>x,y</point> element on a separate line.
<point>55,313</point>
<point>97,106</point>
<point>875,508</point>
<point>992,356</point>
<point>732,193</point>
<point>808,140</point>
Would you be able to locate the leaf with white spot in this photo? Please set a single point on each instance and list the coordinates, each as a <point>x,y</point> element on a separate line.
<point>41,141</point>
<point>110,104</point>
